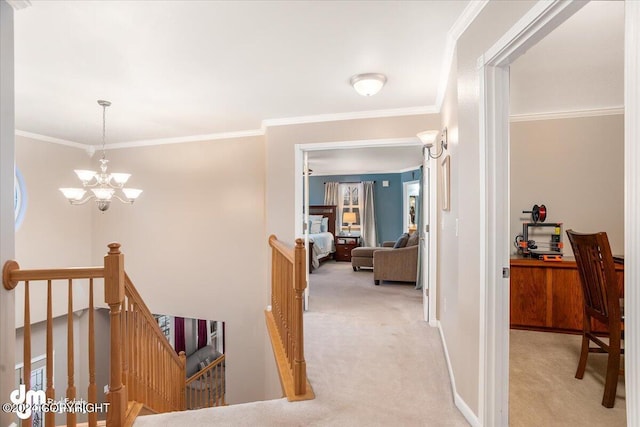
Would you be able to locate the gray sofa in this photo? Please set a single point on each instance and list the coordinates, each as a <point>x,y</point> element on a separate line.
<point>363,256</point>
<point>199,356</point>
<point>210,389</point>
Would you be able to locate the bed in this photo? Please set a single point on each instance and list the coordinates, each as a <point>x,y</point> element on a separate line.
<point>322,243</point>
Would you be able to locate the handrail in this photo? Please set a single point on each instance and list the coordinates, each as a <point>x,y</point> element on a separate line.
<point>284,318</point>
<point>157,375</point>
<point>286,251</point>
<point>206,388</point>
<point>153,372</point>
<point>132,293</point>
<point>12,274</point>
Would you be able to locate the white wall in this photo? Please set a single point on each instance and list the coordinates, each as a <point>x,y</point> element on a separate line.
<point>575,167</point>
<point>459,266</point>
<point>280,177</point>
<point>53,233</point>
<point>195,245</point>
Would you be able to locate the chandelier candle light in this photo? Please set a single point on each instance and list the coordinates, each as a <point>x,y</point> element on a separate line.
<point>103,185</point>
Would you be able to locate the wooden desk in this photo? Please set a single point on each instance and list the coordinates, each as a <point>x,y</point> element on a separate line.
<point>546,295</point>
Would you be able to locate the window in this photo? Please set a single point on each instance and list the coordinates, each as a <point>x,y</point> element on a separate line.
<point>38,382</point>
<point>350,198</point>
<point>166,326</point>
<point>216,337</point>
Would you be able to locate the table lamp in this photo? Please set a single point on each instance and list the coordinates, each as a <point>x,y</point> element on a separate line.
<point>349,218</point>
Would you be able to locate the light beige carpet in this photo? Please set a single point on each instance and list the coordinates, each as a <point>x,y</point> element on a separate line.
<point>371,359</point>
<point>543,390</point>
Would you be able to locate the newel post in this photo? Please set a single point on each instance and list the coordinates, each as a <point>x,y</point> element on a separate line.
<point>300,283</point>
<point>114,297</point>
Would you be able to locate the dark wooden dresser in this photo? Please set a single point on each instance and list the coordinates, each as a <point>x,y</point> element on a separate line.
<point>546,295</point>
<point>344,244</point>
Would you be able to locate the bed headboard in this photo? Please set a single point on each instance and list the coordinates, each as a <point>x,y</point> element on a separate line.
<point>330,211</point>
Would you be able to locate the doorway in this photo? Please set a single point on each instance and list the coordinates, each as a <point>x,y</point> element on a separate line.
<point>494,153</point>
<point>428,261</point>
<point>544,132</point>
<point>410,205</point>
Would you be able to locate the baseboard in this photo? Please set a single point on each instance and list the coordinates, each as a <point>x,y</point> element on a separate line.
<point>457,399</point>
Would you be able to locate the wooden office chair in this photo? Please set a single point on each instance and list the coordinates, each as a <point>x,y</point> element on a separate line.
<point>602,302</point>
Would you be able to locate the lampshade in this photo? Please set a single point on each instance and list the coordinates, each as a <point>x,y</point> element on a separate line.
<point>120,178</point>
<point>428,137</point>
<point>131,193</point>
<point>349,217</point>
<point>368,84</point>
<point>85,175</point>
<point>73,193</point>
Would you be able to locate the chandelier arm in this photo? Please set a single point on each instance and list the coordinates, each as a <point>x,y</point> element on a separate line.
<point>130,202</point>
<point>82,202</point>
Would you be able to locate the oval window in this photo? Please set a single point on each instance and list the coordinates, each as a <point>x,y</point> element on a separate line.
<point>20,198</point>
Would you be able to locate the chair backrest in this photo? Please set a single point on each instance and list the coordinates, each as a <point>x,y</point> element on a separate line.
<point>597,275</point>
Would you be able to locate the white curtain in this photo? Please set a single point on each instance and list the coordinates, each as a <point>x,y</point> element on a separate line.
<point>331,194</point>
<point>332,197</point>
<point>368,215</point>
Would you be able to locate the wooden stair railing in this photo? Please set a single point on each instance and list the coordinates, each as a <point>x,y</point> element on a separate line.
<point>285,320</point>
<point>152,371</point>
<point>145,372</point>
<point>206,388</point>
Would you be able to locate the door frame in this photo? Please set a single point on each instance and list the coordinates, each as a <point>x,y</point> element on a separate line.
<point>493,69</point>
<point>405,195</point>
<point>430,274</point>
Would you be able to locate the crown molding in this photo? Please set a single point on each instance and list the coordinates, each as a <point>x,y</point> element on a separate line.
<point>241,134</point>
<point>184,139</point>
<point>555,115</point>
<point>45,138</point>
<point>142,143</point>
<point>19,4</point>
<point>410,111</point>
<point>357,171</point>
<point>465,19</point>
<point>361,143</point>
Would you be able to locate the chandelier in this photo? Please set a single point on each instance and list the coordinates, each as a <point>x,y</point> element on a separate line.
<point>103,185</point>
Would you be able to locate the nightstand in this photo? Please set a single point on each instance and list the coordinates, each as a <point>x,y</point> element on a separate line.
<point>344,244</point>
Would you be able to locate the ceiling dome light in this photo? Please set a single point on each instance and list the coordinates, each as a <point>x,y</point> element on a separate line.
<point>368,84</point>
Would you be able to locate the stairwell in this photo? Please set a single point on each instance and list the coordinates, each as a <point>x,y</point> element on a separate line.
<point>371,359</point>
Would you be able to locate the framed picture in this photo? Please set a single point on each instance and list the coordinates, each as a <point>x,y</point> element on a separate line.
<point>446,184</point>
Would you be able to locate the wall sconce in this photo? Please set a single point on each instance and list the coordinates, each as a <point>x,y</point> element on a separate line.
<point>428,138</point>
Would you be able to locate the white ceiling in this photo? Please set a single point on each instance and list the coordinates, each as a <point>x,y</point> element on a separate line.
<point>365,160</point>
<point>178,69</point>
<point>174,69</point>
<point>579,66</point>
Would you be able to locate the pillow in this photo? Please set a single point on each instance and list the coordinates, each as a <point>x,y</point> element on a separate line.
<point>402,241</point>
<point>207,361</point>
<point>324,225</point>
<point>313,218</point>
<point>315,227</point>
<point>413,239</point>
<point>202,365</point>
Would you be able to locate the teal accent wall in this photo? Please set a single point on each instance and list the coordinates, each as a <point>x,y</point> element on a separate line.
<point>387,200</point>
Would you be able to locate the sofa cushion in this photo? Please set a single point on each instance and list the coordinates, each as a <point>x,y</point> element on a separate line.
<point>402,241</point>
<point>365,251</point>
<point>194,359</point>
<point>413,239</point>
